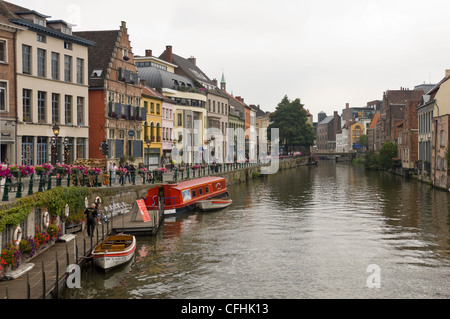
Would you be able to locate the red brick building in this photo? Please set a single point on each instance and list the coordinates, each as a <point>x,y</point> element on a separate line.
<point>8,104</point>
<point>115,93</point>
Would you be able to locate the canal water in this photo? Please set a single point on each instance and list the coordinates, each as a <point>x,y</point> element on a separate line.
<point>332,231</point>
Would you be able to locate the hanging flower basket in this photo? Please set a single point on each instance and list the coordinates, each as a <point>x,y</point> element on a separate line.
<point>63,169</point>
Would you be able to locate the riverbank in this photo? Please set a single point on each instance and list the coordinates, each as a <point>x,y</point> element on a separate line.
<point>46,273</point>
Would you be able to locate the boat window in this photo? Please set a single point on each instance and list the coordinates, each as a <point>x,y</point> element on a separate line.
<point>206,189</point>
<point>194,193</point>
<point>200,191</point>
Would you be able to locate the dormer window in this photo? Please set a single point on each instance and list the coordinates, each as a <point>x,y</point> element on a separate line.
<point>66,30</point>
<point>39,21</point>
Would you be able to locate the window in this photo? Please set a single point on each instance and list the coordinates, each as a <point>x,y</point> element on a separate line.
<point>152,108</point>
<point>41,38</point>
<point>68,109</point>
<point>41,62</point>
<point>200,191</point>
<point>206,189</point>
<point>3,96</point>
<point>3,51</point>
<point>26,59</point>
<point>42,150</point>
<point>41,107</point>
<point>55,66</point>
<point>81,146</point>
<point>67,68</point>
<point>26,100</point>
<point>39,21</point>
<point>68,45</point>
<point>180,119</point>
<point>55,108</point>
<point>80,71</point>
<point>80,111</point>
<point>442,138</point>
<point>194,193</point>
<point>27,150</point>
<point>111,133</point>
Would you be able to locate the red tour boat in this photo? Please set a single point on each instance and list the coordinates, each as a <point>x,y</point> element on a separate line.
<point>183,196</point>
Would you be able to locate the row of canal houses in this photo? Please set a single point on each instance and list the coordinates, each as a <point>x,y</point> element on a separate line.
<point>417,121</point>
<point>97,91</point>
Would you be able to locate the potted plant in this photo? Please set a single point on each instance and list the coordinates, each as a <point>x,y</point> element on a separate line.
<point>10,257</point>
<point>27,247</point>
<point>54,231</point>
<point>41,239</point>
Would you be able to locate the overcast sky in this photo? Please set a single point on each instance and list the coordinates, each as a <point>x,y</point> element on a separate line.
<point>326,53</point>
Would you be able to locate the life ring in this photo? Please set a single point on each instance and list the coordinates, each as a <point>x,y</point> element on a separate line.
<point>98,200</point>
<point>218,186</point>
<point>67,210</point>
<point>17,236</point>
<point>46,219</point>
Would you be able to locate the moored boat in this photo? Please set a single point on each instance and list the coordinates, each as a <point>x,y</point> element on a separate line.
<point>213,204</point>
<point>114,251</point>
<point>182,197</point>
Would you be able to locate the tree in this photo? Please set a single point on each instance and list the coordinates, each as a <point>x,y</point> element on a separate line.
<point>387,154</point>
<point>291,119</point>
<point>363,140</point>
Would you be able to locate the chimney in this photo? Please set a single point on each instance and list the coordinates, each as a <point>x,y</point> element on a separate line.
<point>215,82</point>
<point>148,53</point>
<point>347,114</point>
<point>169,54</point>
<point>193,60</point>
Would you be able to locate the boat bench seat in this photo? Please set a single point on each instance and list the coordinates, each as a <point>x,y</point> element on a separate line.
<point>117,247</point>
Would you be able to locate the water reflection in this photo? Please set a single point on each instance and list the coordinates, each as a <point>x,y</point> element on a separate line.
<point>309,232</point>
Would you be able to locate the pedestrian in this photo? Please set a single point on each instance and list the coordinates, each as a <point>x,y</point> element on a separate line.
<point>6,162</point>
<point>127,175</point>
<point>91,219</point>
<point>132,172</point>
<point>113,172</point>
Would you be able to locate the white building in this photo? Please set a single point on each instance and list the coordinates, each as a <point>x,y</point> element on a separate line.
<point>52,88</point>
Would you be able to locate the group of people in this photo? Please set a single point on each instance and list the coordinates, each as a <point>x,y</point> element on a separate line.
<point>93,216</point>
<point>130,170</point>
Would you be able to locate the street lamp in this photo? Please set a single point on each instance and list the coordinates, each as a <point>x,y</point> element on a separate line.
<point>149,143</point>
<point>56,131</point>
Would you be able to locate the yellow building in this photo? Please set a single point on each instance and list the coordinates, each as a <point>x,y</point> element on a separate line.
<point>356,130</point>
<point>152,127</point>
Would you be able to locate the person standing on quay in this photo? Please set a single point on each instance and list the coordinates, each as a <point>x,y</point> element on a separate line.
<point>91,219</point>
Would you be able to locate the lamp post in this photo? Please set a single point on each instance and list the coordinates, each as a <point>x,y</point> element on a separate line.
<point>149,143</point>
<point>56,131</point>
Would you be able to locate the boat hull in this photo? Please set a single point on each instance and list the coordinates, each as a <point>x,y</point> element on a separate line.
<point>108,259</point>
<point>213,204</point>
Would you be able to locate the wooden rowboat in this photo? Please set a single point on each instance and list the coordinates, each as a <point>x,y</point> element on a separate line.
<point>114,251</point>
<point>213,204</point>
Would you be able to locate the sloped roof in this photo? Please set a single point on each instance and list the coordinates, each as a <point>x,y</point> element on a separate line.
<point>190,68</point>
<point>101,53</point>
<point>375,120</point>
<point>327,120</point>
<point>159,79</point>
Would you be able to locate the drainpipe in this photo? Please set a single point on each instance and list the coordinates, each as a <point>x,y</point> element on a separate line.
<point>435,145</point>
